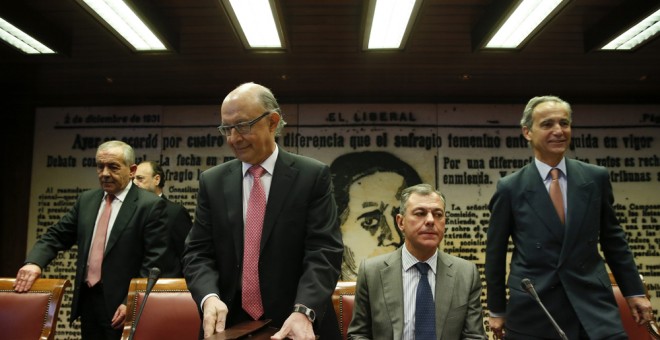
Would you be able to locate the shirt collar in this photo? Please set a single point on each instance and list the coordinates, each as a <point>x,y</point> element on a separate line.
<point>268,164</point>
<point>122,194</point>
<point>544,169</point>
<point>408,260</point>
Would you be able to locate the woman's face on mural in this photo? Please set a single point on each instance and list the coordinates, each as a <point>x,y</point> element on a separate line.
<point>370,226</point>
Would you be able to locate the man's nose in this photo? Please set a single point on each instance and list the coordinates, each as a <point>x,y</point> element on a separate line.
<point>557,128</point>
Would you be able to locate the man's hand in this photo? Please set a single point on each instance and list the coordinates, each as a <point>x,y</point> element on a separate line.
<point>297,327</point>
<point>119,317</point>
<point>26,277</point>
<point>215,315</point>
<point>641,309</point>
<point>497,326</point>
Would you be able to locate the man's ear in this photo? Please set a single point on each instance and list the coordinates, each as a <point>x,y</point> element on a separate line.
<point>274,121</point>
<point>133,169</point>
<point>157,178</point>
<point>399,221</point>
<point>526,132</point>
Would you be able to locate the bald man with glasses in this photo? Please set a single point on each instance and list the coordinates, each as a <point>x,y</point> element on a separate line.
<point>242,128</point>
<point>265,243</point>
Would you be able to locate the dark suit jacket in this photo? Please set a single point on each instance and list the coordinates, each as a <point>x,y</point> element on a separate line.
<point>378,310</point>
<point>137,242</point>
<point>563,262</point>
<point>178,223</point>
<point>301,247</point>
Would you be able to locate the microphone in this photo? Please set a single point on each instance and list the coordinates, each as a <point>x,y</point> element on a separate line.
<point>154,274</point>
<point>527,285</point>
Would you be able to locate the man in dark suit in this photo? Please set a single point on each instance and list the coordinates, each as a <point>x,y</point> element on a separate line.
<point>298,254</point>
<point>150,176</point>
<point>135,241</point>
<point>386,296</point>
<point>556,246</point>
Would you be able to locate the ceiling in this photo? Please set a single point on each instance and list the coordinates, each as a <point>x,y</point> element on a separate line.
<point>324,61</point>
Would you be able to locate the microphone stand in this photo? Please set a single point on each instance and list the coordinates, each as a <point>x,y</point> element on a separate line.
<point>527,285</point>
<point>154,274</point>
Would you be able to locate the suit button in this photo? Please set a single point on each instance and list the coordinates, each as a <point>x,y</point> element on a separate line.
<point>538,245</point>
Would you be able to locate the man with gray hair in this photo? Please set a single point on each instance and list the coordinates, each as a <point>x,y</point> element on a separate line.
<point>120,233</point>
<point>557,211</point>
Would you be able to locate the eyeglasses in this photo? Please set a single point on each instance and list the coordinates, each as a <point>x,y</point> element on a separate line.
<point>241,128</point>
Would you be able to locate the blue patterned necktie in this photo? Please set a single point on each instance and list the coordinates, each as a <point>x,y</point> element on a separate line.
<point>424,306</point>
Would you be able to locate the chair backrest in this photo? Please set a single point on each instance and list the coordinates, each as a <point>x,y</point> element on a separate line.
<point>342,300</point>
<point>31,315</point>
<point>634,330</point>
<point>170,312</point>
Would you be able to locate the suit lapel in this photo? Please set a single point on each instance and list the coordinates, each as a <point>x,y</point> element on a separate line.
<point>580,190</point>
<point>392,281</point>
<point>123,217</point>
<point>538,198</point>
<point>283,177</point>
<point>88,214</point>
<point>444,289</point>
<point>232,190</point>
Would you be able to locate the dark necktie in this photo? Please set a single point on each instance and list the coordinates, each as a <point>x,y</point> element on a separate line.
<point>95,261</point>
<point>424,306</point>
<point>254,221</point>
<point>556,195</point>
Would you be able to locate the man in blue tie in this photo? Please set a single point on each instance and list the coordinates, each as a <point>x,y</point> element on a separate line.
<point>417,291</point>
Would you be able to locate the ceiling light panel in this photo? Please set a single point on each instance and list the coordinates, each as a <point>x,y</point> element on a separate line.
<point>638,34</point>
<point>256,22</point>
<point>21,40</point>
<point>126,23</point>
<point>389,23</point>
<point>522,22</point>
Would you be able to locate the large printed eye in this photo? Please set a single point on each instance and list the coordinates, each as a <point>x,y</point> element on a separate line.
<point>371,220</point>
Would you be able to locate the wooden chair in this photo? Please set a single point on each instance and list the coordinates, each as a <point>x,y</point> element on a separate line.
<point>31,315</point>
<point>634,330</point>
<point>170,312</point>
<point>343,299</point>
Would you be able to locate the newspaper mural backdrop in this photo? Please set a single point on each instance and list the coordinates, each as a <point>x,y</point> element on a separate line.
<point>374,151</point>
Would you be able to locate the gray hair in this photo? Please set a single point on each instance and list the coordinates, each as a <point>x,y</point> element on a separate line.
<point>127,150</point>
<point>422,190</point>
<point>527,120</point>
<point>267,99</point>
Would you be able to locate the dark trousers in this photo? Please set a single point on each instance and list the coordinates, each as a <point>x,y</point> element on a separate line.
<point>95,323</point>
